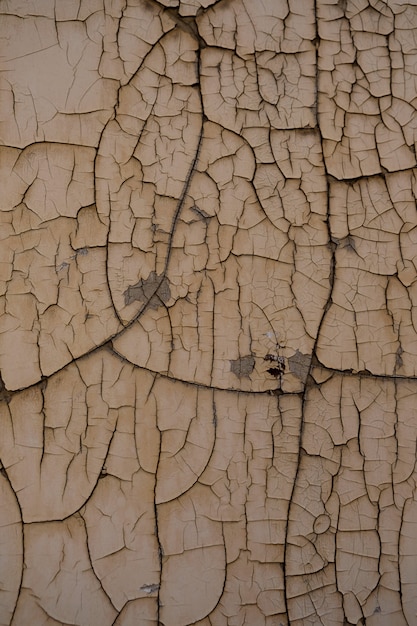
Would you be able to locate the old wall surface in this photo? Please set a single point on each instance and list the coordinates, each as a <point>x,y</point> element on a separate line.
<point>208,312</point>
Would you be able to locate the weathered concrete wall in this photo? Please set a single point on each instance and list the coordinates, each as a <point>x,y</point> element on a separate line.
<point>208,316</point>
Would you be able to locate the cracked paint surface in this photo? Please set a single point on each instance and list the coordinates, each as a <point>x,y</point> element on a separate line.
<point>208,345</point>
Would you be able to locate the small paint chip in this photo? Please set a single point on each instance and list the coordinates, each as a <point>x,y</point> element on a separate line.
<point>153,289</point>
<point>152,588</point>
<point>243,367</point>
<point>299,365</point>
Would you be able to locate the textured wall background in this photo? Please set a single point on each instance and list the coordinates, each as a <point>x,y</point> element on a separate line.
<point>208,316</point>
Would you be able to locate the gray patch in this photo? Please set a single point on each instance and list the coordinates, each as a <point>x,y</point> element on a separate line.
<point>81,252</point>
<point>164,292</point>
<point>150,588</point>
<point>398,357</point>
<point>153,290</point>
<point>299,365</point>
<point>243,367</point>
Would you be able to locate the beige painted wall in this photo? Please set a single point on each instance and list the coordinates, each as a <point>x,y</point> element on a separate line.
<point>208,315</point>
